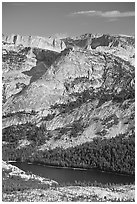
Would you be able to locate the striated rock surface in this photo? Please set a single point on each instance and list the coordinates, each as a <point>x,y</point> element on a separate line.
<point>85,91</point>
<point>119,45</point>
<point>62,94</point>
<point>34,41</point>
<point>22,64</point>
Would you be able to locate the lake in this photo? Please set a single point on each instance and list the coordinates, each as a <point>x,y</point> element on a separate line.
<point>65,175</point>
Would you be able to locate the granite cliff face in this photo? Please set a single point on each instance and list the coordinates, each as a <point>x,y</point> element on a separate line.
<point>35,41</point>
<point>77,89</point>
<point>120,45</point>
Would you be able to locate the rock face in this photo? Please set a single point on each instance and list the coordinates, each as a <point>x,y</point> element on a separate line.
<point>123,46</point>
<point>32,41</point>
<point>85,91</point>
<point>20,64</point>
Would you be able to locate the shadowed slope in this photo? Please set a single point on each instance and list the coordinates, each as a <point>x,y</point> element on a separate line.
<point>80,96</point>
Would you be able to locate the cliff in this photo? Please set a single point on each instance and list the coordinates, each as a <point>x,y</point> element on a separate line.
<point>68,102</point>
<point>35,41</point>
<point>77,94</point>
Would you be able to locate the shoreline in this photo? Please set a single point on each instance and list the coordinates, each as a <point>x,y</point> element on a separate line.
<point>95,192</point>
<point>73,168</point>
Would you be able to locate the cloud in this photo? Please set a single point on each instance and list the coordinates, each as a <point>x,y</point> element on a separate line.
<point>107,14</point>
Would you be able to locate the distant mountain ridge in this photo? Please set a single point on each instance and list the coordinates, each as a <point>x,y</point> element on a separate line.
<point>35,41</point>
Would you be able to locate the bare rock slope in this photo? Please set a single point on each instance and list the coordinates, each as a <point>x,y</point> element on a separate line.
<point>82,89</point>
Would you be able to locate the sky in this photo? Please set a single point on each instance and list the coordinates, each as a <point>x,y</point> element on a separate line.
<point>69,18</point>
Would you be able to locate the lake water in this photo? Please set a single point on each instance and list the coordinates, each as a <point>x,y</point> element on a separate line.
<point>63,175</point>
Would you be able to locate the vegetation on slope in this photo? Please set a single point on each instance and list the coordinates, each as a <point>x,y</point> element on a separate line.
<point>115,154</point>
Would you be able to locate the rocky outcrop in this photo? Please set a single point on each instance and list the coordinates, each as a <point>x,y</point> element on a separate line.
<point>95,40</point>
<point>22,65</point>
<point>77,94</point>
<point>60,95</point>
<point>76,73</point>
<point>12,170</point>
<point>19,186</point>
<point>35,41</point>
<point>119,45</point>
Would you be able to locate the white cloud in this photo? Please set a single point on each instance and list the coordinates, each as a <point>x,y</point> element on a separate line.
<point>84,12</point>
<point>107,14</point>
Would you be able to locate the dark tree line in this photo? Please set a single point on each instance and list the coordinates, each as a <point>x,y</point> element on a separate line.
<point>115,154</point>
